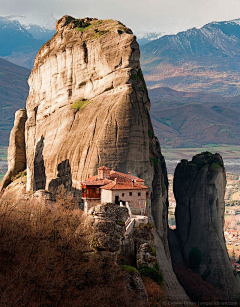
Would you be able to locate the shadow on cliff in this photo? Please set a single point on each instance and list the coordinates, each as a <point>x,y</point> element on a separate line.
<point>39,168</point>
<point>64,177</point>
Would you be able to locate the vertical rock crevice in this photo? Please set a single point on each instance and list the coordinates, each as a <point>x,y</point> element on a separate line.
<point>39,168</point>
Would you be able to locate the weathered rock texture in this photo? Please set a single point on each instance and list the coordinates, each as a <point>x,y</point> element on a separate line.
<point>199,188</point>
<point>145,256</point>
<point>141,234</point>
<point>16,149</point>
<point>106,223</point>
<point>88,107</point>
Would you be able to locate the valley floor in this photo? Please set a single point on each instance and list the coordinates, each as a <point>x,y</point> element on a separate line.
<point>230,154</point>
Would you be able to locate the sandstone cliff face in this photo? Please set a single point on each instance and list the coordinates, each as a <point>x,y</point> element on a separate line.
<point>101,67</point>
<point>16,150</point>
<point>96,63</point>
<point>199,188</point>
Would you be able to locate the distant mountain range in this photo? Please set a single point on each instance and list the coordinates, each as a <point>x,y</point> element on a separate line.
<point>145,37</point>
<point>44,21</point>
<point>190,119</point>
<point>206,59</point>
<point>13,95</point>
<point>20,43</point>
<point>42,27</point>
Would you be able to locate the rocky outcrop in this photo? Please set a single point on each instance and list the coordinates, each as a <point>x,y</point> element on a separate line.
<point>145,256</point>
<point>106,223</point>
<point>199,188</point>
<point>16,149</point>
<point>104,228</point>
<point>141,234</point>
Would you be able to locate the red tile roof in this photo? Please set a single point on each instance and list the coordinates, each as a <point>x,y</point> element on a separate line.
<point>98,182</point>
<point>124,181</point>
<point>124,186</point>
<point>121,177</point>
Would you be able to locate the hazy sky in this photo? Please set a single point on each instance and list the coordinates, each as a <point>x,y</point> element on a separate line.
<point>136,14</point>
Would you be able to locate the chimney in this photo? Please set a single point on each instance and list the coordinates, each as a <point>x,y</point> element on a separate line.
<point>115,180</point>
<point>103,172</point>
<point>129,173</point>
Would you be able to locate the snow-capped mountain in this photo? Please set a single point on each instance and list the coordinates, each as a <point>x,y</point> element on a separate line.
<point>45,21</point>
<point>20,39</point>
<point>42,27</point>
<point>145,37</point>
<point>150,32</point>
<point>206,59</point>
<point>213,38</point>
<point>14,38</point>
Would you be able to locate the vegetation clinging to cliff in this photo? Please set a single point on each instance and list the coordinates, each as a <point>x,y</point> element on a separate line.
<point>207,159</point>
<point>99,33</point>
<point>154,273</point>
<point>82,25</point>
<point>81,103</point>
<point>96,28</point>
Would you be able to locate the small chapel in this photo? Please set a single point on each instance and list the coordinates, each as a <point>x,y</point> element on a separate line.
<point>115,187</point>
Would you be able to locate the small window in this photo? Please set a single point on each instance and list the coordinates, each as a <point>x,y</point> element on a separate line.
<point>139,193</point>
<point>84,191</point>
<point>130,193</point>
<point>122,194</point>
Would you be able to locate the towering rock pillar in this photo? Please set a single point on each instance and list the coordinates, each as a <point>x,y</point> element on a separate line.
<point>199,188</point>
<point>87,106</point>
<point>16,149</point>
